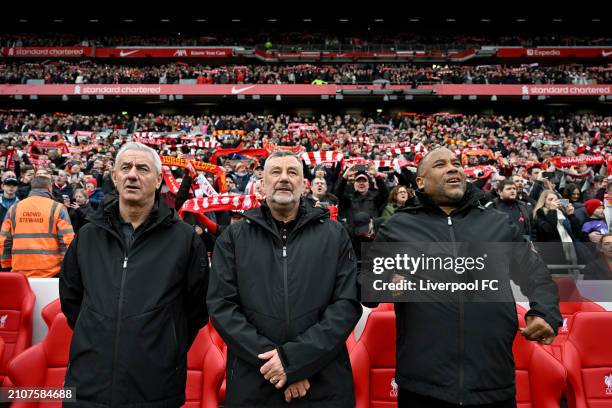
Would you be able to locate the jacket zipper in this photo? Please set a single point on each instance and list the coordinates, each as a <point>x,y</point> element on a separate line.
<point>461,318</point>
<point>286,288</point>
<point>118,328</point>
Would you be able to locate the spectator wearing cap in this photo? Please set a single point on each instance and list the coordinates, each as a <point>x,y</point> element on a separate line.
<point>360,197</point>
<point>241,176</point>
<point>257,175</point>
<point>9,193</point>
<point>94,192</point>
<point>595,226</point>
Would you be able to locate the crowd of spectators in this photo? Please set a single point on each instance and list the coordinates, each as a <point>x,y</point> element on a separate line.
<point>88,72</point>
<point>564,205</point>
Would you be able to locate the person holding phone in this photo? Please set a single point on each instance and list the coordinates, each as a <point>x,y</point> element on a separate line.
<point>361,197</point>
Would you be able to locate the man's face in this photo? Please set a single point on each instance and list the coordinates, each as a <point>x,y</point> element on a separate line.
<point>230,184</point>
<point>319,187</point>
<point>606,247</point>
<point>98,165</point>
<point>283,181</point>
<point>362,185</point>
<point>519,183</point>
<point>442,177</point>
<point>61,178</point>
<point>135,177</point>
<point>508,193</point>
<point>80,199</point>
<point>258,174</point>
<point>599,212</point>
<point>535,174</point>
<point>28,176</point>
<point>9,189</point>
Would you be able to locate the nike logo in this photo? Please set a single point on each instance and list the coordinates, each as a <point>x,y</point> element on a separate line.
<point>126,53</point>
<point>237,91</point>
<point>606,53</point>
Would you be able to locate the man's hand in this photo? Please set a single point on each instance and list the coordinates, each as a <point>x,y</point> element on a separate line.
<point>595,237</point>
<point>349,171</point>
<point>373,171</point>
<point>273,369</point>
<point>538,330</point>
<point>297,390</point>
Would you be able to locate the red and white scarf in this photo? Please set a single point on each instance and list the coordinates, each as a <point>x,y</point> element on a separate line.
<point>322,157</point>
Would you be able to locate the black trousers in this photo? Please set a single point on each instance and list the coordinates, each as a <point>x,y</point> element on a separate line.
<point>407,399</point>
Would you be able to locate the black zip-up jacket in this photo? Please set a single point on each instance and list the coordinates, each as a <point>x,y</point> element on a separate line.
<point>299,297</point>
<point>461,352</point>
<point>134,311</point>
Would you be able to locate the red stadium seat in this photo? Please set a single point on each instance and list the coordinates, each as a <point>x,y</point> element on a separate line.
<point>51,310</point>
<point>216,338</point>
<point>572,303</point>
<point>587,355</point>
<point>373,361</point>
<point>205,371</point>
<point>540,378</point>
<point>44,364</point>
<point>16,312</point>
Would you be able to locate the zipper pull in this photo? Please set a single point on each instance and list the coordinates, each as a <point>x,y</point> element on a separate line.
<point>125,262</point>
<point>284,252</point>
<point>450,221</point>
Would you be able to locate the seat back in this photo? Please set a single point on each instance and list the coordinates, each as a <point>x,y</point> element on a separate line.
<point>540,378</point>
<point>587,355</point>
<point>205,371</point>
<point>16,312</point>
<point>373,362</point>
<point>50,310</point>
<point>44,364</point>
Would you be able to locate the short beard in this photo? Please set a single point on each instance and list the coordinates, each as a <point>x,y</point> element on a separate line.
<point>283,200</point>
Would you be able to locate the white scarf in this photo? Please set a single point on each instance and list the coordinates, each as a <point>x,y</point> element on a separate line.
<point>566,240</point>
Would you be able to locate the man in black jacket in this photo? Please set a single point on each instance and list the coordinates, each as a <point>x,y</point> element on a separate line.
<point>361,197</point>
<point>133,287</point>
<point>517,211</point>
<point>460,353</point>
<point>283,296</point>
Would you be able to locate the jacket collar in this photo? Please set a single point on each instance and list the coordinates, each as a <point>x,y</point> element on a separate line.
<point>262,216</point>
<point>39,192</point>
<point>107,215</point>
<point>422,202</point>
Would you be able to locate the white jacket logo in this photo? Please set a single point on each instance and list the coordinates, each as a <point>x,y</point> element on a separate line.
<point>3,320</point>
<point>394,387</point>
<point>180,53</point>
<point>608,382</point>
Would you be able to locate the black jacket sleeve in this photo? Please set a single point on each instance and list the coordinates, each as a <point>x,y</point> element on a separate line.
<point>183,192</point>
<point>196,282</point>
<point>383,194</point>
<point>71,284</point>
<point>225,308</point>
<point>340,192</point>
<point>320,344</point>
<point>530,273</point>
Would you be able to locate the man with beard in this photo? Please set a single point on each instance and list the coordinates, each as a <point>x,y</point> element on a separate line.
<point>283,296</point>
<point>459,353</point>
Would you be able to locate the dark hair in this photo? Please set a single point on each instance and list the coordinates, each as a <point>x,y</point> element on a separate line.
<point>569,189</point>
<point>530,169</point>
<point>502,184</point>
<point>41,182</point>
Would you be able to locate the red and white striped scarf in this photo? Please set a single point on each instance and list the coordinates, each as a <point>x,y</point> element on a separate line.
<point>219,203</point>
<point>321,157</point>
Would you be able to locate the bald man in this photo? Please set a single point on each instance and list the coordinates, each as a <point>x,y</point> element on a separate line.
<point>457,353</point>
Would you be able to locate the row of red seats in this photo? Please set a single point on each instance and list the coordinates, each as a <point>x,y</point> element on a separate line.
<point>578,364</point>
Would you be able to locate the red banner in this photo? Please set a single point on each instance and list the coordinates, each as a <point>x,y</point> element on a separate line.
<point>47,52</point>
<point>552,52</point>
<point>164,52</point>
<point>578,160</point>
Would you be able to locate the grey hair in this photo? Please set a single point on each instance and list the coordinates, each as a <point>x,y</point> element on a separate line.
<point>284,153</point>
<point>143,148</point>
